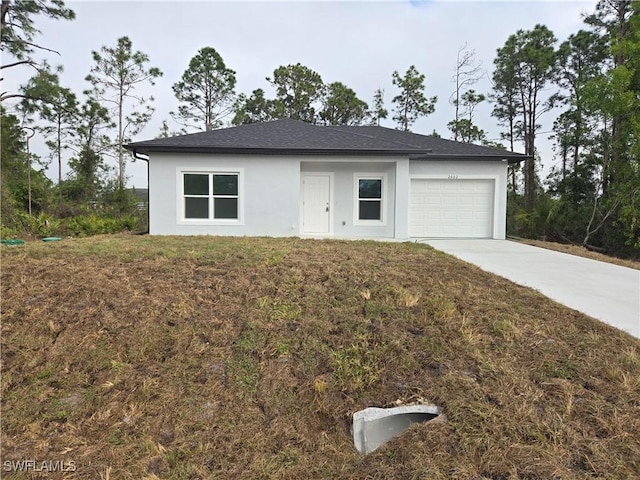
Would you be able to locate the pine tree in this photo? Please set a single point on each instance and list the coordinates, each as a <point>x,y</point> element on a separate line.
<point>114,77</point>
<point>411,103</point>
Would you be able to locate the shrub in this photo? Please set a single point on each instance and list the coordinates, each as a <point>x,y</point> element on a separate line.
<point>87,225</point>
<point>41,225</point>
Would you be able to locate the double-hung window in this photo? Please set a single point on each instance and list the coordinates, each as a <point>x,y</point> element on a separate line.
<point>211,196</point>
<point>369,199</point>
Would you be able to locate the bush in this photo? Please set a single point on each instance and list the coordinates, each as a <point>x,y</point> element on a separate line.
<point>536,224</point>
<point>45,225</point>
<point>66,209</point>
<point>87,225</point>
<point>41,225</point>
<point>8,232</point>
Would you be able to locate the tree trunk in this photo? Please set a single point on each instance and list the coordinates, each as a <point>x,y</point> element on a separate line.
<point>120,141</point>
<point>59,151</point>
<point>529,192</point>
<point>618,137</point>
<point>578,134</point>
<point>511,132</point>
<point>29,175</point>
<point>406,114</point>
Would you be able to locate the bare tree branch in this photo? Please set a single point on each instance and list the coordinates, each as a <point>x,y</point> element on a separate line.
<point>6,95</point>
<point>35,45</point>
<point>21,62</point>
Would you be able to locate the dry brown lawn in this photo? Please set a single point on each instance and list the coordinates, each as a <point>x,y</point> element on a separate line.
<point>198,358</point>
<point>581,251</point>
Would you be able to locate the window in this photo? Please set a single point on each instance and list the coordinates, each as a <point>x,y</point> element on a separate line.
<point>211,196</point>
<point>369,199</point>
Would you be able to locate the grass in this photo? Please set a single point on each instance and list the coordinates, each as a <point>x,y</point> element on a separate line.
<point>581,251</point>
<point>193,358</point>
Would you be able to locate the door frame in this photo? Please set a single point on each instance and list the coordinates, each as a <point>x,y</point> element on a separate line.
<point>303,175</point>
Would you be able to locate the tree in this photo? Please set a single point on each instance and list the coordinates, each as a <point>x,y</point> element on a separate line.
<point>57,106</point>
<point>378,112</point>
<point>411,103</point>
<point>206,91</point>
<point>580,60</point>
<point>616,95</point>
<point>298,88</point>
<point>523,68</point>
<point>18,32</point>
<point>12,147</point>
<point>341,106</point>
<point>91,144</point>
<point>253,109</point>
<point>614,19</point>
<point>468,72</point>
<point>21,185</point>
<point>165,132</point>
<point>116,74</point>
<point>463,128</point>
<point>597,187</point>
<point>506,100</point>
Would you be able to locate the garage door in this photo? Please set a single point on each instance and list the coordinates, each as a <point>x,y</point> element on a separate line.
<point>451,208</point>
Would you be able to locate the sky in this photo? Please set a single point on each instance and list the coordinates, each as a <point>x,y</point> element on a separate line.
<point>359,43</point>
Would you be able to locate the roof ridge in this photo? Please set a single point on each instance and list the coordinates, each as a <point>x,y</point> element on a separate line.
<point>339,128</point>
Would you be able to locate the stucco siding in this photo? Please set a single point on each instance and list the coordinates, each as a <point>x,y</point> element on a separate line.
<point>270,192</point>
<point>345,223</point>
<point>268,201</point>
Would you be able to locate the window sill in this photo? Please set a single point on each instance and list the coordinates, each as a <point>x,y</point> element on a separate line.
<point>370,223</point>
<point>226,223</point>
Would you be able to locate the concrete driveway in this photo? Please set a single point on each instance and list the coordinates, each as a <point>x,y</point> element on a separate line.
<point>604,291</point>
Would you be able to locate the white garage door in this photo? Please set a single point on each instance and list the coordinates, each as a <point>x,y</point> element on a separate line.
<point>451,208</point>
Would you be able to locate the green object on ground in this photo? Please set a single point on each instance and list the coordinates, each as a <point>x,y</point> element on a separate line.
<point>51,239</point>
<point>12,241</point>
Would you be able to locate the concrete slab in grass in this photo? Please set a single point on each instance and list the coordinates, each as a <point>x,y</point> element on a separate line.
<point>373,427</point>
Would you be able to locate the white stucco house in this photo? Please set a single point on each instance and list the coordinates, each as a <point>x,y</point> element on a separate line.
<point>289,178</point>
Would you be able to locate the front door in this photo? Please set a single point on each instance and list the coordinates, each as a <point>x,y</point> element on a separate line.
<point>316,203</point>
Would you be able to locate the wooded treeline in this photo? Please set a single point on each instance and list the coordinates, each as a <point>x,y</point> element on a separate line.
<point>588,85</point>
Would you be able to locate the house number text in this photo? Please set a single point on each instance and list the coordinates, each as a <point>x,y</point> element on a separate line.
<point>452,177</point>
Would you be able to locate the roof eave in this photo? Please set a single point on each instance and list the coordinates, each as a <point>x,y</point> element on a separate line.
<point>146,149</point>
<point>511,158</point>
<point>414,154</point>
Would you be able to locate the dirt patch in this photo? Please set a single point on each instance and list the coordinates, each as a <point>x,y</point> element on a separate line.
<point>160,357</point>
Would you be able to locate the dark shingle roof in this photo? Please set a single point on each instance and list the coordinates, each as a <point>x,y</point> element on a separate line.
<point>294,137</point>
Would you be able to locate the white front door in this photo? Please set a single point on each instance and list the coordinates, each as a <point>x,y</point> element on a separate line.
<point>316,203</point>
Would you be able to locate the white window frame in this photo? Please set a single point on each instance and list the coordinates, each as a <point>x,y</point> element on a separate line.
<point>383,200</point>
<point>182,220</point>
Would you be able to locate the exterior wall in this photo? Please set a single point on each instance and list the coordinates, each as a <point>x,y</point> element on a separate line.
<point>269,194</point>
<point>459,170</point>
<point>344,223</point>
<point>403,185</point>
